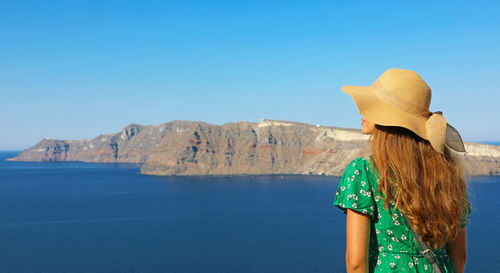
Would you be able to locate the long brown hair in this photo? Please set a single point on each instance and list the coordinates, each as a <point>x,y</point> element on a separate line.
<point>427,186</point>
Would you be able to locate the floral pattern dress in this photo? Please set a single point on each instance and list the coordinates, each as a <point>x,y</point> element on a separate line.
<point>392,246</point>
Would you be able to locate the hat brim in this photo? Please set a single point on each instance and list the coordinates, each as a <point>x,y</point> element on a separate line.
<point>380,112</point>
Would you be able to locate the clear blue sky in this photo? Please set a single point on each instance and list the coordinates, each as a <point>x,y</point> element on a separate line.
<point>76,69</point>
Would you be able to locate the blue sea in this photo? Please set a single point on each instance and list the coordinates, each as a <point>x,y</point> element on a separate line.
<point>491,142</point>
<point>85,217</point>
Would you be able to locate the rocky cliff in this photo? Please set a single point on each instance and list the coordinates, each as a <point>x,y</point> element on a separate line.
<point>266,147</point>
<point>481,159</point>
<point>133,144</point>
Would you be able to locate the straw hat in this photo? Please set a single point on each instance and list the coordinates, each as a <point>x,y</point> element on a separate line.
<point>401,98</point>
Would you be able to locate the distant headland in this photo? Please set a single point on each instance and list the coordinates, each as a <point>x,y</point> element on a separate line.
<point>184,147</point>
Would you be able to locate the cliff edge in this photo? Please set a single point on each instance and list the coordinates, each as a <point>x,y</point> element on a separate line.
<point>266,147</point>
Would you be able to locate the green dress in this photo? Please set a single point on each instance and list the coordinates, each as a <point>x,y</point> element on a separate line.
<point>392,247</point>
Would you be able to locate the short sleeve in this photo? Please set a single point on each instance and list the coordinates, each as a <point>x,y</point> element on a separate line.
<point>354,190</point>
<point>465,217</point>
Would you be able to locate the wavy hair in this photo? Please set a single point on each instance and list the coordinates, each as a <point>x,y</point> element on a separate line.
<point>428,187</point>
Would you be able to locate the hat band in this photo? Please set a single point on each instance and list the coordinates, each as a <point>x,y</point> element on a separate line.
<point>393,100</point>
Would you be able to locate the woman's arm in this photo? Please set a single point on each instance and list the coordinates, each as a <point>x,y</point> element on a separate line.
<point>457,250</point>
<point>357,241</point>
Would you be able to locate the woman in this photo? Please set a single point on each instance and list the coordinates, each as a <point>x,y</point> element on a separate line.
<point>412,172</point>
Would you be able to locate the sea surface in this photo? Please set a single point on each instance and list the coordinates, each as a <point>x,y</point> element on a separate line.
<point>491,142</point>
<point>85,217</point>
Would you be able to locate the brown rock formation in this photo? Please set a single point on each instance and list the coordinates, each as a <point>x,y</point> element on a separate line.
<point>266,147</point>
<point>133,144</point>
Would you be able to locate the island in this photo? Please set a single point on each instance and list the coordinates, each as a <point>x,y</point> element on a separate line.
<point>183,147</point>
